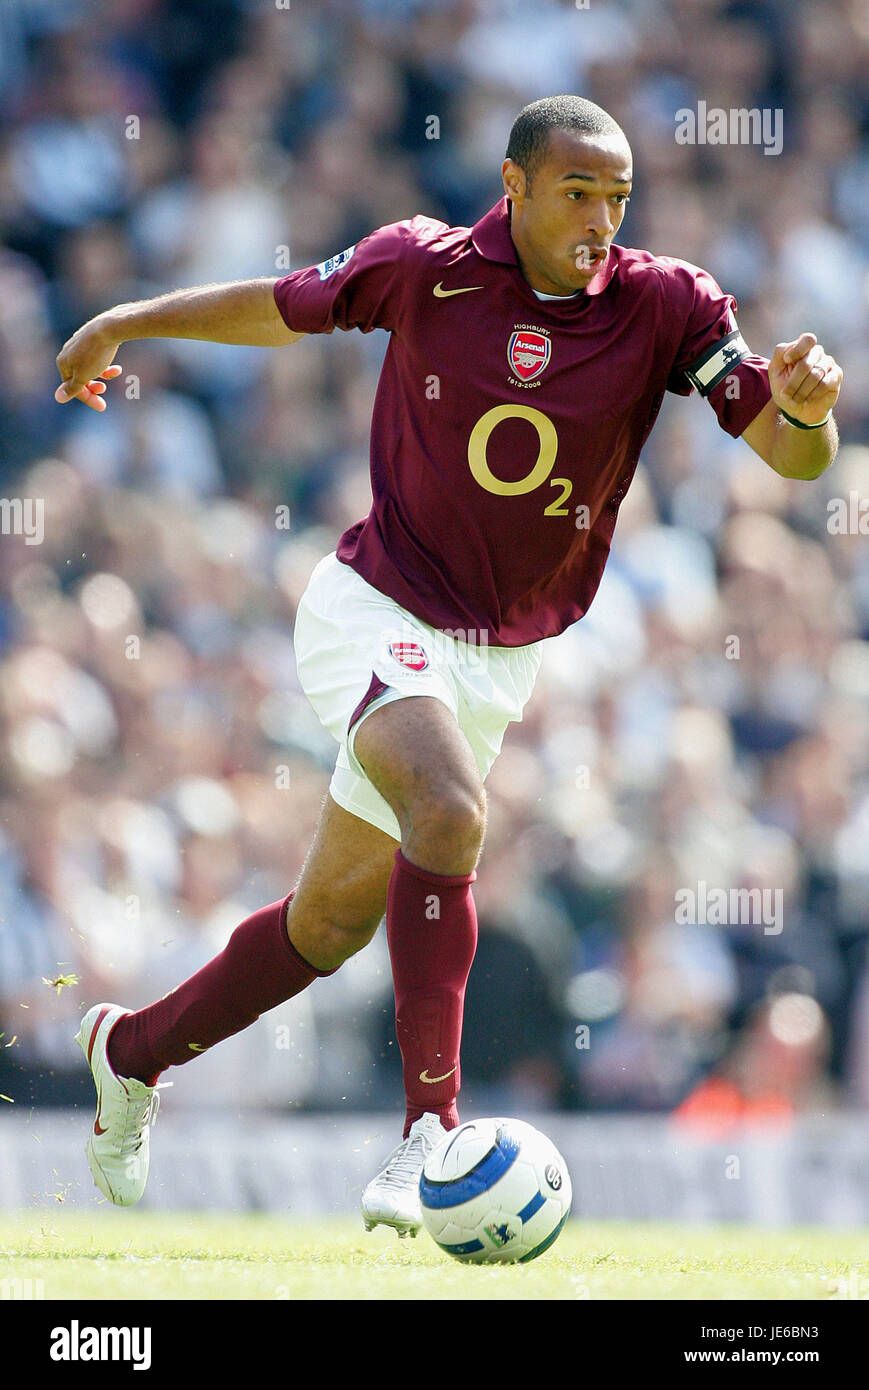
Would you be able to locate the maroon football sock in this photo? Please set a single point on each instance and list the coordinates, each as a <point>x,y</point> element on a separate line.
<point>431,925</point>
<point>258,969</point>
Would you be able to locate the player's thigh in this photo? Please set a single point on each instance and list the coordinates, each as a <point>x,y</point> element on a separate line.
<point>342,887</point>
<point>416,755</point>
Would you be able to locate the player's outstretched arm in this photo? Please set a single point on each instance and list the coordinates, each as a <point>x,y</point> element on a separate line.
<point>242,312</point>
<point>795,432</point>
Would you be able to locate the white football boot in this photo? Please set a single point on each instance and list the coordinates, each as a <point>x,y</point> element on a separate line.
<point>119,1143</point>
<point>392,1198</point>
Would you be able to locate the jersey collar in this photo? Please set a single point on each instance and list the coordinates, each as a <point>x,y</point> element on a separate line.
<point>491,237</point>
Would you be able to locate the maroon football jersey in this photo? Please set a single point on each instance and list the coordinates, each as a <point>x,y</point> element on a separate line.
<point>506,429</point>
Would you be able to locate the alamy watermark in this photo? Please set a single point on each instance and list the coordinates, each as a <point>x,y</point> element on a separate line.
<point>848,516</point>
<point>739,125</point>
<point>13,1288</point>
<point>78,1343</point>
<point>728,907</point>
<point>423,652</point>
<point>23,516</point>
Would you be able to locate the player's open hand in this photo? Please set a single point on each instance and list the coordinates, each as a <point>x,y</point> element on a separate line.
<point>804,379</point>
<point>85,365</point>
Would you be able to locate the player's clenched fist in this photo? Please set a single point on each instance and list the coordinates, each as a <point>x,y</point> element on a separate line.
<point>804,379</point>
<point>82,362</point>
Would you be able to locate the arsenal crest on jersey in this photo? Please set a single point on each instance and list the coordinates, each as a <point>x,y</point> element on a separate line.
<point>528,353</point>
<point>409,654</point>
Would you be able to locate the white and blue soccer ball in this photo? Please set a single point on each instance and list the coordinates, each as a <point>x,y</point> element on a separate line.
<point>495,1192</point>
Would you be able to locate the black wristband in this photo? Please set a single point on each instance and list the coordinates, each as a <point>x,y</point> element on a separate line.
<point>798,424</point>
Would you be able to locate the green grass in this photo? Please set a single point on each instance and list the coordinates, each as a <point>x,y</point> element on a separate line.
<point>144,1255</point>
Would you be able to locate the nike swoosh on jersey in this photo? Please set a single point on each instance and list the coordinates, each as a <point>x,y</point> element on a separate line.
<point>432,1080</point>
<point>440,293</point>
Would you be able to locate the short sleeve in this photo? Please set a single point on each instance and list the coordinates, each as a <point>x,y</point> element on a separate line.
<point>359,287</point>
<point>713,357</point>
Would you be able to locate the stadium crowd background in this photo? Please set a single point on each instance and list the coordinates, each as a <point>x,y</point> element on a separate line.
<point>161,771</point>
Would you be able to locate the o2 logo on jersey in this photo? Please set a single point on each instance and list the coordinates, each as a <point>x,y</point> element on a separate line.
<point>528,353</point>
<point>409,654</point>
<point>327,268</point>
<point>547,441</point>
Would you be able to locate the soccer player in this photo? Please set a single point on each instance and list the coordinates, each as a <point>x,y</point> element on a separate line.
<point>527,361</point>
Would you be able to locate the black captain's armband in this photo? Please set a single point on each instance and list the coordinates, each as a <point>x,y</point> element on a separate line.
<point>717,361</point>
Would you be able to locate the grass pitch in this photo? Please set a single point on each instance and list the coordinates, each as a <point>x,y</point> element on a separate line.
<point>146,1255</point>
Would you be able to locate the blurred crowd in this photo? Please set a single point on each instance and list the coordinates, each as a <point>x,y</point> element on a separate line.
<point>706,723</point>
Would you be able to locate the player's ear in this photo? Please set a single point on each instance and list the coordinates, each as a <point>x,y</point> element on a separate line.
<point>514,180</point>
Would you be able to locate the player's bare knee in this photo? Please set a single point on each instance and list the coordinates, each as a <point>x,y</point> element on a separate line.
<point>331,934</point>
<point>448,819</point>
<point>327,945</point>
<point>339,943</point>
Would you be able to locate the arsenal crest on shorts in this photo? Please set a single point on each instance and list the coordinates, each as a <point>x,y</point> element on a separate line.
<point>528,353</point>
<point>409,654</point>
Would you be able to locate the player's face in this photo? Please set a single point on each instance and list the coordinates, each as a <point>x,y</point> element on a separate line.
<point>563,223</point>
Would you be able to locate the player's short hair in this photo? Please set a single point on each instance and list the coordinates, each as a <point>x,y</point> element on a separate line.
<point>529,137</point>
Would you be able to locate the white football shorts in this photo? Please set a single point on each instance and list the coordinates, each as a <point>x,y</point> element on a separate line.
<point>357,649</point>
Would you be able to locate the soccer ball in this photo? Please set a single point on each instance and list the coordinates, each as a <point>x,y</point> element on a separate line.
<point>495,1192</point>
